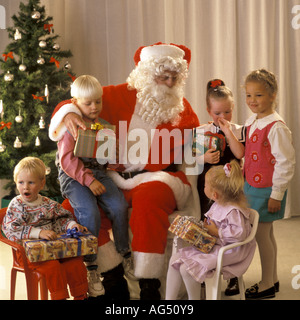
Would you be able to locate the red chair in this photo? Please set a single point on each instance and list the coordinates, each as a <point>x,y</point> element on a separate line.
<point>20,264</point>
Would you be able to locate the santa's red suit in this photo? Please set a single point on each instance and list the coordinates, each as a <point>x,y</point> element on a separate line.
<point>154,193</point>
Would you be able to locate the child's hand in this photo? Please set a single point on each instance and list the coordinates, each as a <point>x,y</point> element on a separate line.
<point>80,228</point>
<point>48,235</point>
<point>212,156</point>
<point>211,228</point>
<point>97,188</point>
<point>274,205</point>
<point>224,125</point>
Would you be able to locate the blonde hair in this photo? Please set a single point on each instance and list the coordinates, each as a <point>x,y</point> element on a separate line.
<point>86,86</point>
<point>216,89</point>
<point>267,78</point>
<point>229,185</point>
<point>32,165</point>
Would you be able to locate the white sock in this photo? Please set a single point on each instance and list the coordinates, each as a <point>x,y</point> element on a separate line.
<point>174,281</point>
<point>193,287</point>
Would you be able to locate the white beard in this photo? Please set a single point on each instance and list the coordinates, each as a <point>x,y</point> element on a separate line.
<point>160,104</point>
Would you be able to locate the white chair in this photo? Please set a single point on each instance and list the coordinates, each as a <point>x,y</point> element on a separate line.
<point>213,285</point>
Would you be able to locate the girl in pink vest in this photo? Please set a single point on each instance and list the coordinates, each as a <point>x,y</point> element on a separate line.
<point>269,166</point>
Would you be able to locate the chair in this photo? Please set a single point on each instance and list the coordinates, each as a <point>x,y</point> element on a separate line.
<point>20,264</point>
<point>213,285</point>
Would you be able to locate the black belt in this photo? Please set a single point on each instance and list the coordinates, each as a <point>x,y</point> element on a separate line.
<point>94,164</point>
<point>129,175</point>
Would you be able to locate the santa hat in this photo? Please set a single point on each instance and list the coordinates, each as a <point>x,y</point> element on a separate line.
<point>160,49</point>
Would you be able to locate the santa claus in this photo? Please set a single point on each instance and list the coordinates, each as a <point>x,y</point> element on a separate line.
<point>148,109</point>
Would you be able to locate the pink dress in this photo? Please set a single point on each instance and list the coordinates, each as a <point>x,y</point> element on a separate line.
<point>234,225</point>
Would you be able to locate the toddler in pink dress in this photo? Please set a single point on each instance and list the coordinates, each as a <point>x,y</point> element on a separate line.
<point>227,220</point>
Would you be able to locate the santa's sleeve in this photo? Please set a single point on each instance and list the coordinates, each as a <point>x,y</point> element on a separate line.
<point>57,127</point>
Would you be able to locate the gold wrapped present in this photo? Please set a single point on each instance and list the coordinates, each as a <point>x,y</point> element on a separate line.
<point>95,136</point>
<point>203,141</point>
<point>191,230</point>
<point>71,244</point>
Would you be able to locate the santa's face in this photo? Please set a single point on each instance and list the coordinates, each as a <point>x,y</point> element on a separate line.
<point>162,100</point>
<point>168,78</point>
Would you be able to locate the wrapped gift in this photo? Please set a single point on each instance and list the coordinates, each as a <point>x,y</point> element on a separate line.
<point>71,244</point>
<point>192,230</point>
<point>203,141</point>
<point>90,140</point>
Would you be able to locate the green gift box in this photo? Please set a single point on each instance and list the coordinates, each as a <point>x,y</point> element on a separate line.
<point>95,136</point>
<point>203,141</point>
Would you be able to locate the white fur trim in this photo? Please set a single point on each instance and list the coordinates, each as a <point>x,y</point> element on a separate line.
<point>57,127</point>
<point>180,190</point>
<point>159,51</point>
<point>108,257</point>
<point>148,265</point>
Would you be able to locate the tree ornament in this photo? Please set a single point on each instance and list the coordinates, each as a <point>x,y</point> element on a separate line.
<point>48,170</point>
<point>17,35</point>
<point>22,67</point>
<point>5,124</point>
<point>1,109</point>
<point>42,123</point>
<point>8,55</point>
<point>43,44</point>
<point>49,27</point>
<point>8,77</point>
<point>19,118</point>
<point>47,93</point>
<point>2,147</point>
<point>17,143</point>
<point>53,60</point>
<point>35,15</point>
<point>40,60</point>
<point>56,46</point>
<point>67,65</point>
<point>37,142</point>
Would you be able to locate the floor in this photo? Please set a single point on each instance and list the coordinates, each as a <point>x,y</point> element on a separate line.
<point>288,242</point>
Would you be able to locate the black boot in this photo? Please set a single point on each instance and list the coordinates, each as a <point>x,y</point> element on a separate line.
<point>149,289</point>
<point>232,287</point>
<point>115,285</point>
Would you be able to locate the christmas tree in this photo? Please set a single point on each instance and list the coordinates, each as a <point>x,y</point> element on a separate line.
<point>36,77</point>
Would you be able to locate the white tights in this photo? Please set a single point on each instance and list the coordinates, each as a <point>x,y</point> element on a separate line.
<point>174,280</point>
<point>268,255</point>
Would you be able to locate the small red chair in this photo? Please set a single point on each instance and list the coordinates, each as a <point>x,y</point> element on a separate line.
<point>20,264</point>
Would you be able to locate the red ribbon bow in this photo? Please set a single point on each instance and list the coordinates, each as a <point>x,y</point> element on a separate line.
<point>8,55</point>
<point>3,125</point>
<point>72,77</point>
<point>55,61</point>
<point>216,83</point>
<point>37,97</point>
<point>48,26</point>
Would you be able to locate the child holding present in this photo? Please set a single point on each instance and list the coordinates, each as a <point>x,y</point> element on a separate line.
<point>32,216</point>
<point>269,166</point>
<point>220,104</point>
<point>86,184</point>
<point>227,220</point>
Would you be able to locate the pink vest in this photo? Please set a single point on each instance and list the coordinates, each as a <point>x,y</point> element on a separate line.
<point>259,161</point>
